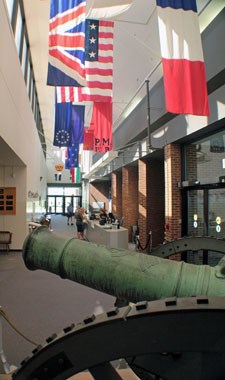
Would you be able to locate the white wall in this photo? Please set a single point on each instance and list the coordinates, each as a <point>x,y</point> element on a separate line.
<point>18,131</point>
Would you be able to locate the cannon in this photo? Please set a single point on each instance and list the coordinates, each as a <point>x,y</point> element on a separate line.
<point>168,333</point>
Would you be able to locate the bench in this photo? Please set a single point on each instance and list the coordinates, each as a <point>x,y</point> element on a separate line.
<point>6,239</point>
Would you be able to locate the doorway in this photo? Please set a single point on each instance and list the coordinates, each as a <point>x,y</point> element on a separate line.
<point>206,212</point>
<point>206,217</point>
<point>57,204</point>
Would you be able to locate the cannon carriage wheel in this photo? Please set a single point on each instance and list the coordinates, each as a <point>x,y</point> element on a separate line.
<point>170,339</point>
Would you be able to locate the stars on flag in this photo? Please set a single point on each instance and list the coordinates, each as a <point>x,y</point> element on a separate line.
<point>62,137</point>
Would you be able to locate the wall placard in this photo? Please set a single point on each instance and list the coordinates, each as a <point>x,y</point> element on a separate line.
<point>7,201</point>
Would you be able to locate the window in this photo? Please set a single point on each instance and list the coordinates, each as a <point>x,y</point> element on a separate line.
<point>205,159</point>
<point>10,4</point>
<point>18,30</point>
<point>7,200</point>
<point>28,79</point>
<point>24,56</point>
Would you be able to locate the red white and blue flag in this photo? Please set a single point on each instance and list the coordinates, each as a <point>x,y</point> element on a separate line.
<point>182,57</point>
<point>67,43</point>
<point>98,66</point>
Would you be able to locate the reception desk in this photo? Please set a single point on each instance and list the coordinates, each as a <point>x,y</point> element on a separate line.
<point>111,237</point>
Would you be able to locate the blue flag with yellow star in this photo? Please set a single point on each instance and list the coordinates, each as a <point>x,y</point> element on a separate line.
<point>69,124</point>
<point>63,126</point>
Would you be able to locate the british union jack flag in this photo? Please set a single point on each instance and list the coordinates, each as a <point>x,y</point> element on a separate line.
<point>66,66</point>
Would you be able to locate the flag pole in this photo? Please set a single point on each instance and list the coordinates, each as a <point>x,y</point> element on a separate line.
<point>148,114</point>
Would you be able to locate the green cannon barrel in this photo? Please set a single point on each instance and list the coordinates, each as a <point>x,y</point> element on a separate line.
<point>121,273</point>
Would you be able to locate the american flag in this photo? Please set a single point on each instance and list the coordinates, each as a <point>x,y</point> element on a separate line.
<point>98,66</point>
<point>67,43</point>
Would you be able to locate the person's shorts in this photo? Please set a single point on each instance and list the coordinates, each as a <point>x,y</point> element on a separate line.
<point>80,227</point>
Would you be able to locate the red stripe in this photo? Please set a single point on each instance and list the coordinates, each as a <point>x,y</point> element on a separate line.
<point>105,47</point>
<point>67,61</point>
<point>106,59</point>
<point>106,23</point>
<point>60,20</point>
<point>63,94</point>
<point>96,98</point>
<point>105,34</point>
<point>185,87</point>
<point>97,71</point>
<point>103,85</point>
<point>66,41</point>
<point>71,92</point>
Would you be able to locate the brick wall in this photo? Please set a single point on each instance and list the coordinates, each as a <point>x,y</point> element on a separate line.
<point>151,201</point>
<point>191,163</point>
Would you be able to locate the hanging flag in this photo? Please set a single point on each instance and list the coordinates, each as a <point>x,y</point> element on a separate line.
<point>67,43</point>
<point>182,57</point>
<point>98,66</point>
<point>100,9</point>
<point>75,175</point>
<point>72,159</point>
<point>62,133</point>
<point>77,122</point>
<point>72,175</point>
<point>102,125</point>
<point>68,94</point>
<point>98,61</point>
<point>88,139</point>
<point>69,124</point>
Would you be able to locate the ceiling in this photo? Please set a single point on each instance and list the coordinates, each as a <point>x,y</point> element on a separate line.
<point>136,57</point>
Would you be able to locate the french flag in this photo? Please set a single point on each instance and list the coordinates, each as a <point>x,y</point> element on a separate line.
<point>182,57</point>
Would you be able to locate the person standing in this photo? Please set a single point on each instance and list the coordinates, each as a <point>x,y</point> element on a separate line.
<point>80,216</point>
<point>70,214</point>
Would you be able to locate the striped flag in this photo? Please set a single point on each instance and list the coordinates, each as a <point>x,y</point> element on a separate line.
<point>68,94</point>
<point>75,175</point>
<point>67,43</point>
<point>182,57</point>
<point>98,66</point>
